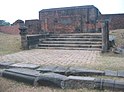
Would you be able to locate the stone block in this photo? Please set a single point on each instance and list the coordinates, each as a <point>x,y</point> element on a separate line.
<point>52,79</point>
<point>84,72</point>
<point>79,82</point>
<point>49,68</point>
<point>108,84</point>
<point>111,73</point>
<point>6,64</point>
<point>61,70</point>
<point>104,84</point>
<point>119,85</point>
<point>98,84</point>
<point>121,73</point>
<point>25,65</point>
<point>24,71</point>
<point>22,74</point>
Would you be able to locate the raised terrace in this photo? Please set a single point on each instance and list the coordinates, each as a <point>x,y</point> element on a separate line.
<point>77,27</point>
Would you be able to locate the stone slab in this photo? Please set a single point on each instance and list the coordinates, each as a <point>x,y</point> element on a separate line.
<point>113,85</point>
<point>25,65</point>
<point>84,72</point>
<point>121,73</point>
<point>49,68</point>
<point>79,82</point>
<point>104,84</point>
<point>20,74</point>
<point>52,79</point>
<point>61,70</point>
<point>6,64</point>
<point>119,85</point>
<point>24,71</point>
<point>111,73</point>
<point>109,84</point>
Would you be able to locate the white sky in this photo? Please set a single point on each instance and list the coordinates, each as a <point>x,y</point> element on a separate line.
<point>11,10</point>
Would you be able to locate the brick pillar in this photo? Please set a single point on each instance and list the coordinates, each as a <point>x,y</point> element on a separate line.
<point>23,33</point>
<point>105,36</point>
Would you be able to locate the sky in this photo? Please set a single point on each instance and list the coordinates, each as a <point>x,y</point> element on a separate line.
<point>11,10</point>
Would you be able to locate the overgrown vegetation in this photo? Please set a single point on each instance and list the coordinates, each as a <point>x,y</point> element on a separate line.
<point>110,60</point>
<point>119,34</point>
<point>9,43</point>
<point>4,23</point>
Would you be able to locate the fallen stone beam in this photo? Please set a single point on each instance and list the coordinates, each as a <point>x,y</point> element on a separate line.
<point>79,82</point>
<point>45,69</point>
<point>57,80</point>
<point>61,70</point>
<point>119,73</point>
<point>21,74</point>
<point>113,85</point>
<point>25,65</point>
<point>52,79</point>
<point>83,72</point>
<point>111,73</point>
<point>55,69</point>
<point>93,83</point>
<point>70,71</point>
<point>6,64</point>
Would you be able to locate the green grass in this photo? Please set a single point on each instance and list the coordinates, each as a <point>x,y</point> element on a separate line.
<point>9,43</point>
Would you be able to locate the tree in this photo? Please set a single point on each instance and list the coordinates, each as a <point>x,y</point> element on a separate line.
<point>4,23</point>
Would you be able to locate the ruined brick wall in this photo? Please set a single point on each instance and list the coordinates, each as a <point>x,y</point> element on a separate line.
<point>70,19</point>
<point>116,21</point>
<point>10,29</point>
<point>34,26</point>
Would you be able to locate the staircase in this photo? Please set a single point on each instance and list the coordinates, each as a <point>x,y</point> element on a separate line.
<point>75,41</point>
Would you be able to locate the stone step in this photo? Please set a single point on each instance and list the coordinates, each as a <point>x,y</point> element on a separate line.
<point>79,34</point>
<point>74,39</point>
<point>76,36</point>
<point>71,42</point>
<point>71,48</point>
<point>71,45</point>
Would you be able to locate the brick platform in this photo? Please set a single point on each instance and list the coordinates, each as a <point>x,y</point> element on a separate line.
<point>54,57</point>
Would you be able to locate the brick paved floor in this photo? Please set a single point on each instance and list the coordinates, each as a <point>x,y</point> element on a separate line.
<point>54,57</point>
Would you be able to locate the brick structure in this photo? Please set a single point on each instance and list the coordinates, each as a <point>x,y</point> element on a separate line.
<point>116,21</point>
<point>10,29</point>
<point>73,19</point>
<point>13,29</point>
<point>69,19</point>
<point>34,26</point>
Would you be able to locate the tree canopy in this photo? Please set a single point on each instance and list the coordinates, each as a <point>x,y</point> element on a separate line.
<point>4,23</point>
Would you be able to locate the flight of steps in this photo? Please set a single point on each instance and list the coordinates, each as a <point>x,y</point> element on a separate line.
<point>75,41</point>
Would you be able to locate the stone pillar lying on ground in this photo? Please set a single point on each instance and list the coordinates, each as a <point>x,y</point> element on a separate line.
<point>113,85</point>
<point>79,82</point>
<point>23,33</point>
<point>22,75</point>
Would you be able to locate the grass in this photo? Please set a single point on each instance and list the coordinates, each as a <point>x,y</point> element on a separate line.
<point>119,34</point>
<point>108,61</point>
<point>9,43</point>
